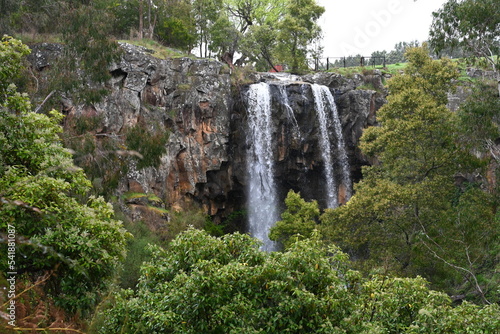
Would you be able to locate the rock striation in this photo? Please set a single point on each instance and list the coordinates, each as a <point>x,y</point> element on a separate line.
<point>299,162</point>
<point>204,113</point>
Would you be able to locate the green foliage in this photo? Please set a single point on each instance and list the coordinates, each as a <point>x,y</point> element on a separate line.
<point>212,285</point>
<point>158,50</point>
<point>223,35</point>
<point>217,230</point>
<point>234,221</point>
<point>176,26</point>
<point>203,284</point>
<point>405,215</point>
<point>479,117</point>
<point>391,305</point>
<point>471,25</point>
<point>101,157</point>
<point>151,145</point>
<point>43,195</point>
<point>84,28</point>
<point>262,31</point>
<point>173,32</point>
<point>260,45</point>
<point>137,252</point>
<point>79,237</point>
<point>89,48</point>
<point>205,14</point>
<point>12,52</point>
<point>296,30</point>
<point>298,220</point>
<point>106,158</point>
<point>189,217</point>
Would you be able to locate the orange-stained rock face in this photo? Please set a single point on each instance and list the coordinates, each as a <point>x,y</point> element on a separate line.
<point>204,162</point>
<point>135,187</point>
<point>342,194</point>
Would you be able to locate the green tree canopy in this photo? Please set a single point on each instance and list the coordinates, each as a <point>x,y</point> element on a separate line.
<point>474,26</point>
<point>298,220</point>
<point>43,197</point>
<point>409,213</point>
<point>297,30</point>
<point>204,284</point>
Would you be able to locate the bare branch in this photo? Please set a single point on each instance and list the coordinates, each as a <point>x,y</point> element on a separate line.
<point>44,101</point>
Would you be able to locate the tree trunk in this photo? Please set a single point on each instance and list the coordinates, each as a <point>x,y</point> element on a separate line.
<point>498,83</point>
<point>141,22</point>
<point>227,57</point>
<point>151,23</point>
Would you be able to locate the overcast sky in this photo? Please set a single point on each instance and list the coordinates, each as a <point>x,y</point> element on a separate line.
<point>363,26</point>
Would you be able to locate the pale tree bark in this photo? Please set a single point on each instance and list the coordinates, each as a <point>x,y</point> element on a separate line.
<point>151,20</point>
<point>141,20</point>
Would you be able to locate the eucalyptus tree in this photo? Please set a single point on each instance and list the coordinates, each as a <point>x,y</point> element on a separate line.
<point>296,30</point>
<point>262,31</point>
<point>473,26</point>
<point>62,235</point>
<point>206,13</point>
<point>411,213</point>
<point>246,27</point>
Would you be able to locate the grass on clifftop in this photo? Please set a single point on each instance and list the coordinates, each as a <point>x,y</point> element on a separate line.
<point>37,38</point>
<point>394,69</point>
<point>158,50</point>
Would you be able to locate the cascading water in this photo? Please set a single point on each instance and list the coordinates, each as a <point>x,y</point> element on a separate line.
<point>289,111</point>
<point>342,153</point>
<point>327,110</point>
<point>262,193</point>
<point>262,199</point>
<point>324,142</point>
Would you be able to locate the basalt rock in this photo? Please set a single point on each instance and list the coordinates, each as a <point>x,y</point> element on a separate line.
<point>204,160</point>
<point>299,163</point>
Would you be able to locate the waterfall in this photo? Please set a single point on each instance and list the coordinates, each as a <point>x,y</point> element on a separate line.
<point>326,150</point>
<point>289,111</point>
<point>341,151</point>
<point>262,199</point>
<point>327,114</point>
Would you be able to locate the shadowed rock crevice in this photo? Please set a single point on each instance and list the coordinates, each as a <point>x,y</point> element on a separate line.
<point>205,155</point>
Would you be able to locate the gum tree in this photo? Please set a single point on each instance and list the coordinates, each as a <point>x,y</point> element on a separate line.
<point>410,213</point>
<point>474,26</point>
<point>61,233</point>
<point>297,30</point>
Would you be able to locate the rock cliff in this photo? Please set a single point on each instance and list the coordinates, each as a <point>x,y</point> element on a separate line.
<point>205,115</point>
<point>298,154</point>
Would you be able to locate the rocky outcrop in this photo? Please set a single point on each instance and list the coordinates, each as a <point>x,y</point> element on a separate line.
<point>299,162</point>
<point>44,55</point>
<point>204,158</point>
<point>192,100</point>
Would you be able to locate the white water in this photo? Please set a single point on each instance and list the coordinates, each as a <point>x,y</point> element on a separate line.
<point>342,153</point>
<point>327,112</point>
<point>326,150</point>
<point>289,111</point>
<point>262,198</point>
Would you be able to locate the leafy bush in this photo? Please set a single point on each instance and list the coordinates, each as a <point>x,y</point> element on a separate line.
<point>204,284</point>
<point>189,217</point>
<point>43,196</point>
<point>151,145</point>
<point>298,220</point>
<point>137,252</point>
<point>100,156</point>
<point>77,235</point>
